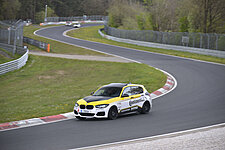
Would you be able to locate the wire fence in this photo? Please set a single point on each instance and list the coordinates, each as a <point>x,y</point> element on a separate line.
<point>197,40</point>
<point>11,33</point>
<point>78,18</point>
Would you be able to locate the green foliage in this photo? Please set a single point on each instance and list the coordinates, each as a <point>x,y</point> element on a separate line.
<point>184,24</point>
<point>129,15</point>
<point>39,17</point>
<point>9,9</point>
<point>140,22</point>
<point>169,15</point>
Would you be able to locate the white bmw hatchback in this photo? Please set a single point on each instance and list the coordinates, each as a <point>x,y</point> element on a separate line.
<point>114,99</point>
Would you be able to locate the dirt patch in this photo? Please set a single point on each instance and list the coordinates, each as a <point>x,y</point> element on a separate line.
<point>41,78</point>
<point>60,72</point>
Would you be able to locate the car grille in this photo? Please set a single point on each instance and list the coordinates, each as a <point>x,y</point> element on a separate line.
<point>87,114</point>
<point>82,106</point>
<point>89,106</point>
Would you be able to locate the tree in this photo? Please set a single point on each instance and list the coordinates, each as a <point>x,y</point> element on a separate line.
<point>206,15</point>
<point>184,24</point>
<point>39,17</point>
<point>131,15</point>
<point>9,9</point>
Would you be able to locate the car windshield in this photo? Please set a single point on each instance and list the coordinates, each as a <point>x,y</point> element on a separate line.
<point>108,91</point>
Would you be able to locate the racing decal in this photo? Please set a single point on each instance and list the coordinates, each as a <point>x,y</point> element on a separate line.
<point>129,109</point>
<point>131,102</point>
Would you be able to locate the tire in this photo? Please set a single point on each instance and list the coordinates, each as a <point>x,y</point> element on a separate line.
<point>113,113</point>
<point>145,108</point>
<point>80,118</point>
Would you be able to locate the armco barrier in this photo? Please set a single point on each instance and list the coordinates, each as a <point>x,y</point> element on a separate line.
<point>210,52</point>
<point>37,43</point>
<point>211,41</point>
<point>14,65</point>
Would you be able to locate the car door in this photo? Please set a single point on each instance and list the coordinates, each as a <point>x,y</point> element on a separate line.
<point>124,103</point>
<point>137,97</point>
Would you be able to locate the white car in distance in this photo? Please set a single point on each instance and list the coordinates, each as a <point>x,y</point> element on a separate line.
<point>68,23</point>
<point>76,25</point>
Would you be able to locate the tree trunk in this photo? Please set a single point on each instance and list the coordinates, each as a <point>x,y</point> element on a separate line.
<point>205,15</point>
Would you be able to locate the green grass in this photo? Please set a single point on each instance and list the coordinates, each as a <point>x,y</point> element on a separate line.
<point>49,86</point>
<point>91,34</point>
<point>56,47</point>
<point>4,59</point>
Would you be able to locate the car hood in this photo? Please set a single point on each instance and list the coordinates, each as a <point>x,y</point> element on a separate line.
<point>89,99</point>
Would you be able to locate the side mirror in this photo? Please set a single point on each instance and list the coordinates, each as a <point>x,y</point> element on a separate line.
<point>92,93</point>
<point>125,95</point>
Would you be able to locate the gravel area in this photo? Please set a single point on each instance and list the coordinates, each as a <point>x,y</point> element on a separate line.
<point>209,139</point>
<point>82,57</point>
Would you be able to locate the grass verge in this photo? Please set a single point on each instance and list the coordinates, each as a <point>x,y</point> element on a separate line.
<point>56,47</point>
<point>4,59</point>
<point>49,86</point>
<point>91,34</point>
<point>6,56</point>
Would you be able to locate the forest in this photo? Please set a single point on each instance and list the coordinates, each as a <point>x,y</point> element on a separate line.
<point>206,16</point>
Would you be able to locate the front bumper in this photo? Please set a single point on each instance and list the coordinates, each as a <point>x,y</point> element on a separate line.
<point>91,113</point>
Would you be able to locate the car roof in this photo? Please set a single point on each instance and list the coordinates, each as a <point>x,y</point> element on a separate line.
<point>115,85</point>
<point>120,85</point>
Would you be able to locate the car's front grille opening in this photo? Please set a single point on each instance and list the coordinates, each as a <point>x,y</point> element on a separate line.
<point>87,114</point>
<point>82,106</point>
<point>89,106</point>
<point>101,114</point>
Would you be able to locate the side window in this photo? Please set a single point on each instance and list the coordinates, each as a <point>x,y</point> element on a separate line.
<point>127,91</point>
<point>136,90</point>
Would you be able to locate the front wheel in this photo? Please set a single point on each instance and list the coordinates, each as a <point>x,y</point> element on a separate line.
<point>145,108</point>
<point>113,113</point>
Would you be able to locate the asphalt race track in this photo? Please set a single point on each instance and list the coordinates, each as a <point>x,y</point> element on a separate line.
<point>198,101</point>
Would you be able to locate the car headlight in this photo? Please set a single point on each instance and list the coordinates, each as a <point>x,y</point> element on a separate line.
<point>102,106</point>
<point>76,105</point>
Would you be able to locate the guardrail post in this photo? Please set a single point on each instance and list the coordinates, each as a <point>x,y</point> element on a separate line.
<point>9,29</point>
<point>208,40</point>
<point>14,45</point>
<point>216,41</point>
<point>48,48</point>
<point>200,41</point>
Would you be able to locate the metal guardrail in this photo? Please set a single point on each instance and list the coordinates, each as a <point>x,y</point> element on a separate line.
<point>37,43</point>
<point>211,41</point>
<point>216,53</point>
<point>15,64</point>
